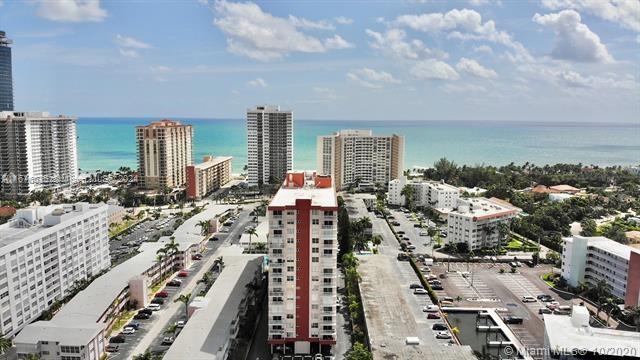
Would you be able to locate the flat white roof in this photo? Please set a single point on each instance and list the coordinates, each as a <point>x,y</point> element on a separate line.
<point>214,161</point>
<point>481,207</point>
<point>78,335</point>
<point>610,246</point>
<point>566,334</point>
<point>208,328</point>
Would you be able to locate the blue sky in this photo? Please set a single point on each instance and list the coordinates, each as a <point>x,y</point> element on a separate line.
<point>538,60</point>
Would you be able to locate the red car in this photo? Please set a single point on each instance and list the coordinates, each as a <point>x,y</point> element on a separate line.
<point>162,294</point>
<point>433,316</point>
<point>183,274</point>
<point>196,257</point>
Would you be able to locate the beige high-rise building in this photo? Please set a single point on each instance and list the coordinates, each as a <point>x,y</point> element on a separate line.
<point>164,152</point>
<point>358,156</point>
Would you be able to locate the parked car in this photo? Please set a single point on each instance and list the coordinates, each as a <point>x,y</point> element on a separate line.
<point>437,287</point>
<point>128,330</point>
<point>435,282</point>
<point>162,294</point>
<point>528,298</point>
<point>180,324</point>
<point>513,320</point>
<point>134,325</point>
<point>158,301</point>
<point>552,305</point>
<point>183,273</point>
<point>142,316</point>
<point>145,311</point>
<point>420,291</point>
<point>544,311</point>
<point>174,283</point>
<point>400,232</point>
<point>153,307</point>
<point>118,339</point>
<point>411,247</point>
<point>443,335</point>
<point>416,286</point>
<point>167,340</point>
<point>446,298</point>
<point>196,257</point>
<point>433,316</point>
<point>112,348</point>
<point>431,308</point>
<point>439,327</point>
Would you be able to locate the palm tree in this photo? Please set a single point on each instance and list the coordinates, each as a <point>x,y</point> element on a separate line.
<point>161,254</point>
<point>487,231</point>
<point>32,356</point>
<point>407,192</point>
<point>184,298</point>
<point>611,306</point>
<point>503,231</point>
<point>252,232</point>
<point>376,240</point>
<point>261,247</point>
<point>349,260</point>
<point>145,356</point>
<point>205,226</point>
<point>172,247</point>
<point>5,344</point>
<point>359,243</point>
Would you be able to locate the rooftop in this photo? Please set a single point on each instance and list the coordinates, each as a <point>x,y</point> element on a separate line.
<point>163,123</point>
<point>207,330</point>
<point>32,115</point>
<point>566,333</point>
<point>305,185</point>
<point>41,220</point>
<point>79,335</point>
<point>483,208</point>
<point>212,161</point>
<point>608,245</point>
<point>267,108</point>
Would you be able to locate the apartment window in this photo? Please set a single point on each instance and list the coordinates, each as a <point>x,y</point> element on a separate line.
<point>315,240</point>
<point>315,259</point>
<point>315,222</point>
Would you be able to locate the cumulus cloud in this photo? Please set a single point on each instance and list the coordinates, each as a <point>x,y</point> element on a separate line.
<point>472,67</point>
<point>342,20</point>
<point>464,24</point>
<point>310,24</point>
<point>259,35</point>
<point>434,70</point>
<point>71,10</point>
<point>258,83</point>
<point>128,53</point>
<point>572,79</point>
<point>623,12</point>
<point>129,42</point>
<point>372,78</point>
<point>337,43</point>
<point>393,42</point>
<point>574,40</point>
<point>483,49</point>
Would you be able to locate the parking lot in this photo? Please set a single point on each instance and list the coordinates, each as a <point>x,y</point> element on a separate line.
<point>407,229</point>
<point>126,244</point>
<point>485,286</point>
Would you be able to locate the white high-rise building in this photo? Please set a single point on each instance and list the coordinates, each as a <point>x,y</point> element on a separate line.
<point>351,156</point>
<point>433,194</point>
<point>43,252</point>
<point>37,151</point>
<point>303,253</point>
<point>269,144</point>
<point>475,221</point>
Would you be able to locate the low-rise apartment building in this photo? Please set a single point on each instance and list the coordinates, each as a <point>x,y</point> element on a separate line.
<point>475,221</point>
<point>210,175</point>
<point>433,194</point>
<point>44,251</point>
<point>215,319</point>
<point>590,259</point>
<point>303,253</point>
<point>573,338</point>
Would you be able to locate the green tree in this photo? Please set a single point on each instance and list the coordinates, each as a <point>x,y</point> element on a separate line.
<point>635,315</point>
<point>205,227</point>
<point>359,352</point>
<point>445,170</point>
<point>408,193</point>
<point>184,298</point>
<point>589,227</point>
<point>5,344</point>
<point>344,230</point>
<point>252,232</point>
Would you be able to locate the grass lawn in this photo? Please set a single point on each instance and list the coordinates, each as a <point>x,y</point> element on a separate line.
<point>123,319</point>
<point>548,278</point>
<point>514,244</point>
<point>121,227</point>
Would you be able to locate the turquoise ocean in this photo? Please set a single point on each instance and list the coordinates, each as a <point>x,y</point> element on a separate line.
<point>108,143</point>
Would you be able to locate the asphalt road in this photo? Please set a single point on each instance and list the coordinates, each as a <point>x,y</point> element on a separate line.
<point>123,249</point>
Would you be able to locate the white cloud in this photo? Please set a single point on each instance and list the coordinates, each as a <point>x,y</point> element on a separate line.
<point>622,12</point>
<point>464,24</point>
<point>258,35</point>
<point>574,79</point>
<point>71,10</point>
<point>128,53</point>
<point>129,42</point>
<point>372,78</point>
<point>310,24</point>
<point>259,82</point>
<point>393,43</point>
<point>472,67</point>
<point>434,70</point>
<point>574,40</point>
<point>343,20</point>
<point>337,43</point>
<point>483,49</point>
<point>160,69</point>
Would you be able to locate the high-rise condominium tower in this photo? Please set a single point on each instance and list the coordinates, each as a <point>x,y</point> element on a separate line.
<point>303,252</point>
<point>37,151</point>
<point>269,144</point>
<point>6,77</point>
<point>358,156</point>
<point>164,151</point>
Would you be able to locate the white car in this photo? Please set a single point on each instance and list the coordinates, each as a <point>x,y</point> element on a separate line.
<point>528,298</point>
<point>153,307</point>
<point>180,324</point>
<point>420,291</point>
<point>129,330</point>
<point>443,335</point>
<point>431,308</point>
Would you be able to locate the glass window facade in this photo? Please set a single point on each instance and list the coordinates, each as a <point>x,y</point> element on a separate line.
<point>6,79</point>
